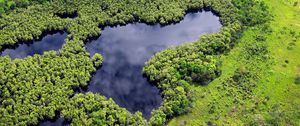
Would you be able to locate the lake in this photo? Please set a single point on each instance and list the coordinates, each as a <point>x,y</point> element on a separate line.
<point>125,49</point>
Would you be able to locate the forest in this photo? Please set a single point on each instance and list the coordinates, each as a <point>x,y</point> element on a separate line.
<point>9,5</point>
<point>41,87</point>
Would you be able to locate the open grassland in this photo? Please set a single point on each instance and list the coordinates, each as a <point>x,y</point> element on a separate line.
<point>269,93</point>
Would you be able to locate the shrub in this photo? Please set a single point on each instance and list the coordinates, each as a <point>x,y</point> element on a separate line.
<point>297,79</point>
<point>97,60</point>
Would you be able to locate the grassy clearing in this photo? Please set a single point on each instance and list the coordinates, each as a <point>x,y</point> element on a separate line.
<point>275,99</point>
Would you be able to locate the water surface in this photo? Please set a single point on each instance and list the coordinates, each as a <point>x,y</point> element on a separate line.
<point>55,122</point>
<point>51,41</point>
<point>125,49</point>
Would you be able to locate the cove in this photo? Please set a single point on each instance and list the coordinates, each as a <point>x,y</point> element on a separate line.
<point>49,41</point>
<point>125,49</point>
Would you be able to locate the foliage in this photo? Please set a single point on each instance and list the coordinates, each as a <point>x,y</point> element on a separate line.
<point>297,80</point>
<point>7,5</point>
<point>252,12</point>
<point>93,109</point>
<point>97,60</point>
<point>34,88</point>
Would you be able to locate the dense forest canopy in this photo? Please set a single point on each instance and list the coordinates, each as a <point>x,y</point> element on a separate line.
<point>9,5</point>
<point>35,88</point>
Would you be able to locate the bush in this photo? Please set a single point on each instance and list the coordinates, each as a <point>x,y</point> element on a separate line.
<point>252,12</point>
<point>297,80</point>
<point>97,60</point>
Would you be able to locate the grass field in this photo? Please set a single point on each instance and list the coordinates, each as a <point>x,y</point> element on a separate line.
<point>275,98</point>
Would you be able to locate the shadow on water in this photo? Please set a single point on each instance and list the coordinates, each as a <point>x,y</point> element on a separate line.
<point>49,41</point>
<point>56,121</point>
<point>125,49</point>
<point>71,15</point>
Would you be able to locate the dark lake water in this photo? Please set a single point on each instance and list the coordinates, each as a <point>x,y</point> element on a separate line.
<point>53,41</point>
<point>125,49</point>
<point>55,122</point>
